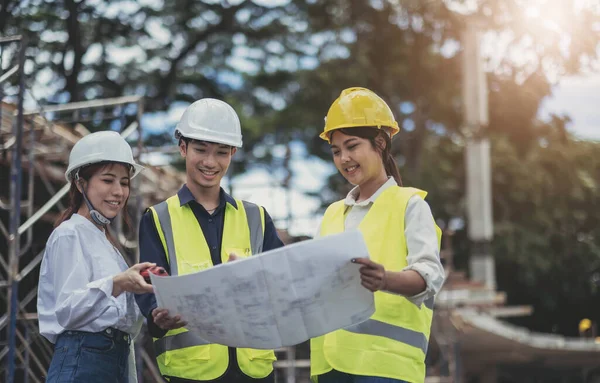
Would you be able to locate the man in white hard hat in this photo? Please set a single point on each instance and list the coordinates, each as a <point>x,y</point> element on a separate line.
<point>198,228</point>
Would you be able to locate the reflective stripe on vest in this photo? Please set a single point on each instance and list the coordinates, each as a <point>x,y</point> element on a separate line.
<point>162,211</point>
<point>429,303</point>
<point>177,341</point>
<point>401,334</point>
<point>254,224</point>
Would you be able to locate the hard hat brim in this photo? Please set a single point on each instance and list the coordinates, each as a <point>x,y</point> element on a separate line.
<point>212,138</point>
<point>392,130</point>
<point>137,169</point>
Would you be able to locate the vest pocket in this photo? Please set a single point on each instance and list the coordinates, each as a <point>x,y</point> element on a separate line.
<point>394,306</point>
<point>261,354</point>
<point>256,363</point>
<point>189,267</point>
<point>185,355</point>
<point>243,252</point>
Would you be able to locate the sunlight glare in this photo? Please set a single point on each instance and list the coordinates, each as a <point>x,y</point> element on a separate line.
<point>553,15</point>
<point>532,12</point>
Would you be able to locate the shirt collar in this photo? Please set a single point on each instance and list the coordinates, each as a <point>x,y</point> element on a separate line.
<point>84,221</point>
<point>351,197</point>
<point>185,196</point>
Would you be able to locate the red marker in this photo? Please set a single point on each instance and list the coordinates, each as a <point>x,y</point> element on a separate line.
<point>156,270</point>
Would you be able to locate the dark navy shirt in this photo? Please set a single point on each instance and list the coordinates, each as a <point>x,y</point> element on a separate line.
<point>152,250</point>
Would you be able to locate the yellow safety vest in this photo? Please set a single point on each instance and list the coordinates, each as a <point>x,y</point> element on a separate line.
<point>179,353</point>
<point>393,342</point>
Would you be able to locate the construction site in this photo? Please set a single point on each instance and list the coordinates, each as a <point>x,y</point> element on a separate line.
<point>471,339</point>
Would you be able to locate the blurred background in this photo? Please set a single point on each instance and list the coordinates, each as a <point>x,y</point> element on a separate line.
<point>498,104</point>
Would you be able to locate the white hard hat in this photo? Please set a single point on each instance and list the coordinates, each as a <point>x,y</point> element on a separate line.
<point>101,147</point>
<point>210,120</point>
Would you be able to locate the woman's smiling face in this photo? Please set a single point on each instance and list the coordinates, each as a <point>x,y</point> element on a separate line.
<point>107,190</point>
<point>355,158</point>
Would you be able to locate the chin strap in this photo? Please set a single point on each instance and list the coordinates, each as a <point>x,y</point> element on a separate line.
<point>97,217</point>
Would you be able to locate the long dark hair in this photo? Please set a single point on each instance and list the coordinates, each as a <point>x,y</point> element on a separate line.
<point>385,151</point>
<point>76,198</point>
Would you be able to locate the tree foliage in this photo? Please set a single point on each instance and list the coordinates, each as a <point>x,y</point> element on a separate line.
<point>167,51</point>
<point>546,207</point>
<point>546,221</point>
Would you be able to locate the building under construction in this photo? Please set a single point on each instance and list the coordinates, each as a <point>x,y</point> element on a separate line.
<point>470,340</point>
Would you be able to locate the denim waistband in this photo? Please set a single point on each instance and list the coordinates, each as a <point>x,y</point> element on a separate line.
<point>110,332</point>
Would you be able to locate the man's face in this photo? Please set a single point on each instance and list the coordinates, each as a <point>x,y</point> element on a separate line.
<point>206,162</point>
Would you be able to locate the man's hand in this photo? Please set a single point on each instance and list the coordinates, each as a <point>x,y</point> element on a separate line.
<point>372,275</point>
<point>233,257</point>
<point>163,320</point>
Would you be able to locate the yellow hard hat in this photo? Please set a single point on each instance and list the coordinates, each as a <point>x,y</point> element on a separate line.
<point>359,107</point>
<point>585,324</point>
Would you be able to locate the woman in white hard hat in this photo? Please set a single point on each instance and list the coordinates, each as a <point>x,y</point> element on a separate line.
<point>86,306</point>
<point>404,270</point>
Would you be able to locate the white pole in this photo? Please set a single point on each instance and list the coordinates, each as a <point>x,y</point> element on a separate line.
<point>477,157</point>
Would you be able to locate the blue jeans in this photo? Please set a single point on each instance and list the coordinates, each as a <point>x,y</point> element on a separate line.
<point>90,357</point>
<point>334,376</point>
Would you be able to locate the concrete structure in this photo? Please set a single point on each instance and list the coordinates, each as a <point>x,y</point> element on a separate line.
<point>476,344</point>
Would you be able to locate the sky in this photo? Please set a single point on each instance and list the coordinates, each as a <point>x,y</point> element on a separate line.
<point>578,97</point>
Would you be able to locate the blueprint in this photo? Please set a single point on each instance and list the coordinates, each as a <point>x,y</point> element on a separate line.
<point>278,298</point>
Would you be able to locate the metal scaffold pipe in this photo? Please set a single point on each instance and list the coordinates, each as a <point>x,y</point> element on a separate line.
<point>15,194</point>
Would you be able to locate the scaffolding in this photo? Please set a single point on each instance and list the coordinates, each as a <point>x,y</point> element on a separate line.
<point>24,354</point>
<point>12,235</point>
<point>24,346</point>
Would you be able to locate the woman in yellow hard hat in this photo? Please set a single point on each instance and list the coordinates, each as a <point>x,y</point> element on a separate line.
<point>404,269</point>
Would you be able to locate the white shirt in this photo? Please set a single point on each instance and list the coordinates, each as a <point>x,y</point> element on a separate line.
<point>76,283</point>
<point>419,231</point>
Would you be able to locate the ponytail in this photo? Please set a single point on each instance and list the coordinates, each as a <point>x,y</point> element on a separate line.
<point>391,168</point>
<point>75,200</point>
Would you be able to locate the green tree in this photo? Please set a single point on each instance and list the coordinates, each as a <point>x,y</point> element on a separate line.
<point>546,220</point>
<point>409,53</point>
<point>547,229</point>
<point>166,51</point>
